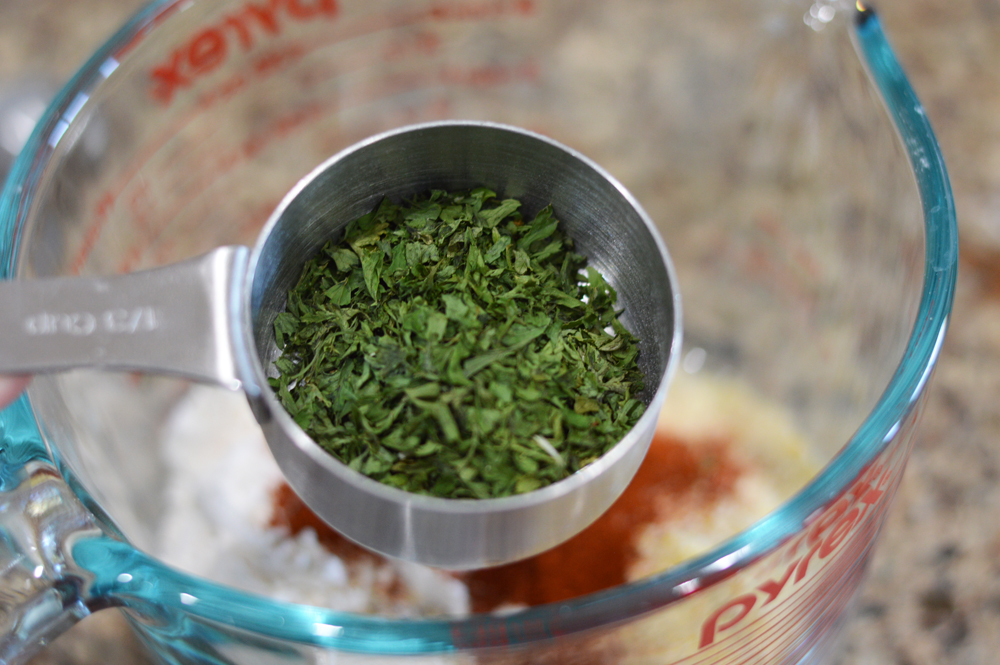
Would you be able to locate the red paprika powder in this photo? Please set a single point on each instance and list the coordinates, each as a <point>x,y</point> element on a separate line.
<point>598,557</point>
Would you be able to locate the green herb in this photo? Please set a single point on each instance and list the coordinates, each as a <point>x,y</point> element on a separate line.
<point>449,347</point>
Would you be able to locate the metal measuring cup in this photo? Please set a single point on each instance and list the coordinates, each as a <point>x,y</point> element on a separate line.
<point>211,319</point>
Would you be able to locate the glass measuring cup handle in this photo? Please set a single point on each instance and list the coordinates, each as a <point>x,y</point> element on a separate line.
<point>42,591</point>
<point>181,319</point>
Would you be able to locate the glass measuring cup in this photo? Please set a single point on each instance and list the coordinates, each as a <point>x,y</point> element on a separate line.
<point>847,358</point>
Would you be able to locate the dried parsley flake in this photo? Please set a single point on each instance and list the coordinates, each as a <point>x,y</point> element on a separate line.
<point>449,347</point>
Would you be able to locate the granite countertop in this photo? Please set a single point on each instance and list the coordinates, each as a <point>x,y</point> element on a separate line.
<point>933,593</point>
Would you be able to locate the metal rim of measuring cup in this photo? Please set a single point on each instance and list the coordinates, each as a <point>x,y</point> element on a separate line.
<point>203,318</point>
<point>456,534</point>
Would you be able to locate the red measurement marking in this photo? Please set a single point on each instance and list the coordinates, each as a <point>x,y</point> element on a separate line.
<point>474,76</point>
<point>421,44</point>
<point>780,259</point>
<point>258,19</point>
<point>862,505</point>
<point>779,623</point>
<point>277,130</point>
<point>797,643</point>
<point>109,199</point>
<point>223,91</point>
<point>478,11</point>
<point>228,161</point>
<point>101,210</point>
<point>256,219</point>
<point>866,490</point>
<point>488,76</point>
<point>278,59</point>
<point>423,110</point>
<point>165,252</point>
<point>826,597</point>
<point>210,48</point>
<point>795,609</point>
<point>138,207</point>
<point>783,629</point>
<point>795,252</point>
<point>281,128</point>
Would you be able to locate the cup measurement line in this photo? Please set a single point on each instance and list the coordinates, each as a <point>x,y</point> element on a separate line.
<point>788,612</point>
<point>806,611</point>
<point>439,12</point>
<point>855,542</point>
<point>861,534</point>
<point>295,119</point>
<point>204,184</point>
<point>832,613</point>
<point>780,608</point>
<point>109,201</point>
<point>209,48</point>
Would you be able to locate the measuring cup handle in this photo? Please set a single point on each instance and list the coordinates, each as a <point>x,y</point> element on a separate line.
<point>42,591</point>
<point>178,320</point>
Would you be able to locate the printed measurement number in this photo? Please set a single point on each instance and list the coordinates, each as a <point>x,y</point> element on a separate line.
<point>81,324</point>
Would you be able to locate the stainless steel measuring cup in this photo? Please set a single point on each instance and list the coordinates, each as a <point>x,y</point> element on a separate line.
<point>211,319</point>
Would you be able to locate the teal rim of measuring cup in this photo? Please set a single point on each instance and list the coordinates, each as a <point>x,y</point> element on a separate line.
<point>126,576</point>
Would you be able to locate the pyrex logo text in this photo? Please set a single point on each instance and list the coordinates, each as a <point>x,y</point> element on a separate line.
<point>209,48</point>
<point>859,505</point>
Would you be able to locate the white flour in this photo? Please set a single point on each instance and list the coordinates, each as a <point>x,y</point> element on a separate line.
<point>219,503</point>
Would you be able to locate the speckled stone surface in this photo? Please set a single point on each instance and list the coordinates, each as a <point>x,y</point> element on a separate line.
<point>933,593</point>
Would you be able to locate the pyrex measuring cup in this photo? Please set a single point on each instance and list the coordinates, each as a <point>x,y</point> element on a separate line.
<point>816,275</point>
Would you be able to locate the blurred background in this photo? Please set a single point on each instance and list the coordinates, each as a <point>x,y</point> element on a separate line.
<point>933,593</point>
